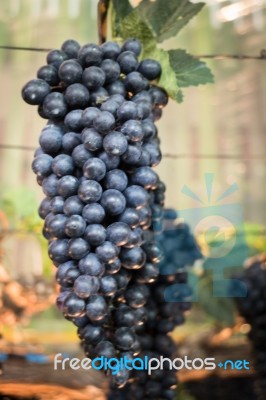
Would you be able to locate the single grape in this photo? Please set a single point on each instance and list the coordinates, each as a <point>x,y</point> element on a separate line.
<point>91,334</point>
<point>145,177</point>
<point>133,154</point>
<point>118,233</point>
<point>124,338</point>
<point>78,248</point>
<point>113,267</point>
<point>49,74</point>
<point>108,285</point>
<point>73,120</point>
<point>58,251</point>
<point>132,129</point>
<point>73,205</point>
<point>159,96</point>
<point>75,226</point>
<point>86,285</point>
<point>67,186</point>
<point>124,316</point>
<point>88,116</point>
<point>110,50</point>
<point>35,91</point>
<point>93,77</point>
<point>44,207</point>
<point>116,179</point>
<point>50,185</point>
<point>91,265</point>
<point>73,306</point>
<point>62,165</point>
<point>135,238</point>
<point>77,96</point>
<point>115,143</point>
<point>80,155</point>
<point>105,349</point>
<point>56,58</point>
<point>56,226</point>
<point>133,258</point>
<point>70,47</point>
<point>151,69</point>
<point>51,139</point>
<point>127,110</point>
<point>90,191</point>
<point>136,196</point>
<point>92,139</point>
<point>93,213</point>
<point>98,96</point>
<point>111,106</point>
<point>107,252</point>
<point>94,169</point>
<point>116,87</point>
<point>133,45</point>
<point>42,165</point>
<point>70,141</point>
<point>111,161</point>
<point>111,69</point>
<point>113,201</point>
<point>96,308</point>
<point>130,217</point>
<point>128,62</point>
<point>104,122</point>
<point>95,234</point>
<point>135,82</point>
<point>90,54</point>
<point>70,71</point>
<point>55,106</point>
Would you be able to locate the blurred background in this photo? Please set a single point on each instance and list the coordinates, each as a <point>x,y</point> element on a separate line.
<point>219,129</point>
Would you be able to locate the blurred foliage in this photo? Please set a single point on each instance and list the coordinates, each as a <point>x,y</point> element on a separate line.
<point>251,240</point>
<point>20,206</point>
<point>182,394</point>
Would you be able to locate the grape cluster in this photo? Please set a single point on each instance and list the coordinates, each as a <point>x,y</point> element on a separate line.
<point>253,309</point>
<point>169,299</point>
<point>102,196</point>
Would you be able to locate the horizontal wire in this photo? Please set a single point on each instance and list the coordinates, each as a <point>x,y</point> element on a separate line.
<point>24,48</point>
<point>261,56</point>
<point>5,232</point>
<point>165,155</point>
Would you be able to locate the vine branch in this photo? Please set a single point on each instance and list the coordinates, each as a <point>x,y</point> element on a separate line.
<point>103,7</point>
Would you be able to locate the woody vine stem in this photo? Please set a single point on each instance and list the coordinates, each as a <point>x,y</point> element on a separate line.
<point>103,7</point>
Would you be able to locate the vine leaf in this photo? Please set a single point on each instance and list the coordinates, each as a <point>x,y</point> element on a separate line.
<point>189,71</point>
<point>152,22</point>
<point>167,17</point>
<point>120,10</point>
<point>168,78</point>
<point>134,26</point>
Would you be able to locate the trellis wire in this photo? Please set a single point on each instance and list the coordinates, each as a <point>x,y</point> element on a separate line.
<point>239,57</point>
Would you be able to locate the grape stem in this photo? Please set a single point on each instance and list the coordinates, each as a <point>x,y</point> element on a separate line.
<point>103,7</point>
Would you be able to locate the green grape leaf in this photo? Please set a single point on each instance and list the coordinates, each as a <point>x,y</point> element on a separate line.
<point>222,309</point>
<point>134,26</point>
<point>167,17</point>
<point>120,10</point>
<point>168,79</point>
<point>154,21</point>
<point>189,71</point>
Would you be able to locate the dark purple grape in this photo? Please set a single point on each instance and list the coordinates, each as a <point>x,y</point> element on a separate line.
<point>35,91</point>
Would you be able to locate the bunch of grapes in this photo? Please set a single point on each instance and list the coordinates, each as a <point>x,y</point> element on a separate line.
<point>253,309</point>
<point>169,299</point>
<point>94,165</point>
